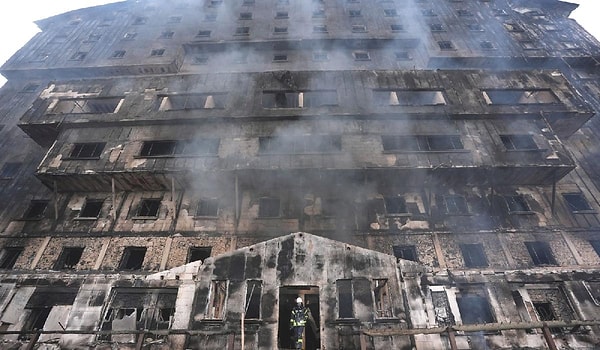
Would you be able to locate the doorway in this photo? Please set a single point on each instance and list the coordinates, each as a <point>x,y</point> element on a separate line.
<point>287,300</point>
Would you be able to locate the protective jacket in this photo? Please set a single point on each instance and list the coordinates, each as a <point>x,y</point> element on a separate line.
<point>299,316</point>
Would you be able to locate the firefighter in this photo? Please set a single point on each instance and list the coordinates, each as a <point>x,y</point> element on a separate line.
<point>298,320</point>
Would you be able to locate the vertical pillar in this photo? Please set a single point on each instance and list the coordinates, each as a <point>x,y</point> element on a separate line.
<point>166,252</point>
<point>548,337</point>
<point>40,252</point>
<point>452,338</point>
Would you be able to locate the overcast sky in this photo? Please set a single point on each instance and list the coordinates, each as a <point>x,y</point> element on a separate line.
<point>17,27</point>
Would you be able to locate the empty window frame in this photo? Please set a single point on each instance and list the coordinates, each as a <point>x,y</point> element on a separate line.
<point>207,207</point>
<point>402,56</point>
<point>390,12</point>
<point>91,209</point>
<point>518,142</point>
<point>133,258</point>
<point>210,17</point>
<point>397,27</point>
<point>406,252</point>
<point>157,52</point>
<point>140,20</point>
<point>198,254</point>
<point>9,256</point>
<point>409,97</point>
<point>455,205</point>
<point>475,27</point>
<point>421,143</point>
<point>88,150</point>
<point>200,60</point>
<point>513,27</point>
<point>79,56</point>
<point>354,13</point>
<point>36,210</point>
<point>129,36</point>
<point>474,309</point>
<point>269,207</point>
<point>35,321</point>
<point>516,204</point>
<point>577,202</point>
<point>595,243</point>
<point>280,58</point>
<point>203,33</point>
<point>383,301</point>
<point>473,255</point>
<point>345,298</point>
<point>545,312</point>
<point>178,102</point>
<point>361,56</point>
<point>170,148</point>
<point>304,144</point>
<point>245,16</point>
<point>359,28</point>
<point>305,99</point>
<point>436,27</point>
<point>69,258</point>
<point>280,30</point>
<point>10,170</point>
<point>242,31</point>
<point>395,205</point>
<point>87,105</point>
<point>31,87</point>
<point>540,253</point>
<point>148,208</point>
<point>487,45</point>
<point>218,296</point>
<point>464,13</point>
<point>168,34</point>
<point>118,54</point>
<point>252,302</point>
<point>138,308</point>
<point>519,97</point>
<point>281,15</point>
<point>446,45</point>
<point>428,13</point>
<point>320,29</point>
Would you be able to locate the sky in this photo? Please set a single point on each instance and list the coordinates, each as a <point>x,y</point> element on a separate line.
<point>17,27</point>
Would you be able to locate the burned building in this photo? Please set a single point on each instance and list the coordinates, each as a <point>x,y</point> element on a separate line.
<point>423,173</point>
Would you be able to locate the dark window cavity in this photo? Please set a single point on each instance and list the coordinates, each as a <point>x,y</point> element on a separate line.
<point>118,54</point>
<point>518,142</point>
<point>409,97</point>
<point>390,12</point>
<point>473,255</point>
<point>423,143</point>
<point>269,208</point>
<point>455,205</point>
<point>177,102</point>
<point>540,253</point>
<point>305,99</point>
<point>402,56</point>
<point>383,303</point>
<point>354,13</point>
<point>359,28</point>
<point>446,45</point>
<point>89,105</point>
<point>208,207</point>
<point>79,56</point>
<point>203,33</point>
<point>474,309</point>
<point>281,15</point>
<point>320,29</point>
<point>133,258</point>
<point>345,297</point>
<point>149,208</point>
<point>406,252</point>
<point>218,295</point>
<point>198,254</point>
<point>195,147</point>
<point>436,27</point>
<point>361,56</point>
<point>397,27</point>
<point>516,203</point>
<point>89,150</point>
<point>576,202</point>
<point>9,257</point>
<point>517,97</point>
<point>280,58</point>
<point>242,31</point>
<point>69,258</point>
<point>253,295</point>
<point>157,52</point>
<point>36,209</point>
<point>395,205</point>
<point>280,30</point>
<point>91,209</point>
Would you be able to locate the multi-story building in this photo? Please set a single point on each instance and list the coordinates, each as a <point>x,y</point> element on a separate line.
<point>423,173</point>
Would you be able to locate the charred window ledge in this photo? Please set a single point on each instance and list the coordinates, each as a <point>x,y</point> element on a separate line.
<point>584,212</point>
<point>522,212</point>
<point>180,156</point>
<point>346,321</point>
<point>389,320</point>
<point>530,150</point>
<point>85,218</point>
<point>299,153</point>
<point>205,217</point>
<point>82,158</point>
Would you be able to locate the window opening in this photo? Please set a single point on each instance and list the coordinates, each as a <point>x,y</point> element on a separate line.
<point>345,297</point>
<point>89,105</point>
<point>474,309</point>
<point>198,254</point>
<point>409,97</point>
<point>516,97</point>
<point>10,170</point>
<point>253,295</point>
<point>208,207</point>
<point>9,257</point>
<point>406,252</point>
<point>540,253</point>
<point>91,209</point>
<point>69,258</point>
<point>90,150</point>
<point>149,207</point>
<point>455,205</point>
<point>216,309</point>
<point>395,205</point>
<point>383,303</point>
<point>421,143</point>
<point>133,258</point>
<point>516,203</point>
<point>576,202</point>
<point>473,255</point>
<point>518,142</point>
<point>300,144</point>
<point>36,209</point>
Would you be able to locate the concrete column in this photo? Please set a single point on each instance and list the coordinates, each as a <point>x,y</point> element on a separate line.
<point>166,252</point>
<point>40,252</point>
<point>102,254</point>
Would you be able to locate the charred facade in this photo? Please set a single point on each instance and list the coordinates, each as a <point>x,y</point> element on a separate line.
<point>423,173</point>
